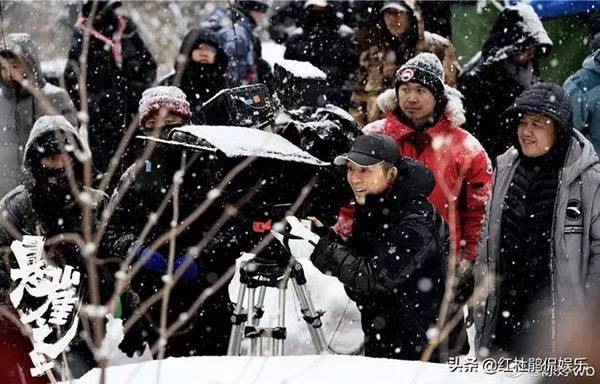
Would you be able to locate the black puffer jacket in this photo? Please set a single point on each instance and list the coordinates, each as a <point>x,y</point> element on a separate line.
<point>394,268</point>
<point>491,81</point>
<point>198,81</point>
<point>113,90</point>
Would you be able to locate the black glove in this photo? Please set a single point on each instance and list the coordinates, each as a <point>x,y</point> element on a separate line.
<point>133,341</point>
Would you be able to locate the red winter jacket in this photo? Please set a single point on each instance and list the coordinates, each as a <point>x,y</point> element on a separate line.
<point>460,166</point>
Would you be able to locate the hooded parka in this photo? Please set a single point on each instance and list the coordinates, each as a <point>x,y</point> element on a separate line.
<point>19,109</point>
<point>573,256</point>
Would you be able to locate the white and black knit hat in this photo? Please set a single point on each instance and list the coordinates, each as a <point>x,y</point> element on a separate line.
<point>425,69</point>
<point>170,99</point>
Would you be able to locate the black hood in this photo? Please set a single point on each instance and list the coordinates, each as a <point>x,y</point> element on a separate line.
<point>517,28</point>
<point>197,36</point>
<point>44,139</point>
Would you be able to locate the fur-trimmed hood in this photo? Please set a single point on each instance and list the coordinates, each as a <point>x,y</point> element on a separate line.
<point>388,101</point>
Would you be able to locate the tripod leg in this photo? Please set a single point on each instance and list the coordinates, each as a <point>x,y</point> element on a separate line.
<point>235,338</point>
<point>278,343</point>
<point>259,307</point>
<point>252,319</point>
<point>311,317</point>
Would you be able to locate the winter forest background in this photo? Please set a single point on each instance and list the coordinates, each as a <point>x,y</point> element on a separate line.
<point>162,25</point>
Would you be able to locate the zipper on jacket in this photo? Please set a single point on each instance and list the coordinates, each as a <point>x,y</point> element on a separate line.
<point>552,271</point>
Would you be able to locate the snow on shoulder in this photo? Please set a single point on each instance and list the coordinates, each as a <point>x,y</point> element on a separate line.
<point>241,142</point>
<point>302,69</point>
<point>292,369</point>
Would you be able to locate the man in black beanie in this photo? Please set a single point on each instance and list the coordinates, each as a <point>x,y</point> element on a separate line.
<point>542,236</point>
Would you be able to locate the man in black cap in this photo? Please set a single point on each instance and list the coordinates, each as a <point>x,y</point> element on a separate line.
<point>393,267</point>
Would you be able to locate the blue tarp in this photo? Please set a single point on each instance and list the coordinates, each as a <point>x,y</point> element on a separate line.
<point>557,8</point>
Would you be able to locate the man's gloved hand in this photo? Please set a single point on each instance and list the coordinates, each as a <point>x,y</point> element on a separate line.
<point>299,240</point>
<point>133,342</point>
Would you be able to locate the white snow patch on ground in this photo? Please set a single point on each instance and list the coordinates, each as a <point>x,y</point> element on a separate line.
<point>291,369</point>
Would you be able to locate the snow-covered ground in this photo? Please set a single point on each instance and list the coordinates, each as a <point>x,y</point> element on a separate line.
<point>328,369</point>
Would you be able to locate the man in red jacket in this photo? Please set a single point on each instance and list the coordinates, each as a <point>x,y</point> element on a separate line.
<point>424,116</point>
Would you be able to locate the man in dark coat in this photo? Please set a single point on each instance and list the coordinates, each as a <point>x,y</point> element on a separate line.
<point>164,108</point>
<point>119,69</point>
<point>202,74</point>
<point>394,265</point>
<point>329,45</point>
<point>507,65</point>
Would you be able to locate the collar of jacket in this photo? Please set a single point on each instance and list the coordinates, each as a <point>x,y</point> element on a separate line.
<point>400,131</point>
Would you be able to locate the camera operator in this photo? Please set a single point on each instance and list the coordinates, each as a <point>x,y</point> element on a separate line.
<point>394,266</point>
<point>162,109</point>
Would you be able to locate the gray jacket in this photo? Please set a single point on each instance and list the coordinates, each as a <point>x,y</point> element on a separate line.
<point>19,109</point>
<point>575,257</point>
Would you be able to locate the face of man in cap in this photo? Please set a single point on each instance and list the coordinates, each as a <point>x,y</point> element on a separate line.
<point>369,180</point>
<point>416,101</point>
<point>397,22</point>
<point>537,134</point>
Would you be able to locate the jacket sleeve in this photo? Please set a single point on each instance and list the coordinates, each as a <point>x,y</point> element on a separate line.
<point>394,258</point>
<point>140,65</point>
<point>238,47</point>
<point>593,125</point>
<point>477,190</point>
<point>592,284</point>
<point>451,66</point>
<point>71,75</point>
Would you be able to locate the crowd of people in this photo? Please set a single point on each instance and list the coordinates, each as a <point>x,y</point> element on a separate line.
<point>452,192</point>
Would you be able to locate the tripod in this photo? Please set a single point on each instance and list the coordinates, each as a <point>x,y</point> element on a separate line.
<point>262,274</point>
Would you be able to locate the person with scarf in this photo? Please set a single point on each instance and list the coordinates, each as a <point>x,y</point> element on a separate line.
<point>119,69</point>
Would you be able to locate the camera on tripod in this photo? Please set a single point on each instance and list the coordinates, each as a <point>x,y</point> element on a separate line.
<point>292,140</point>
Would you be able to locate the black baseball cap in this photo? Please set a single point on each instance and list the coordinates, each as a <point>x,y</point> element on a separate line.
<point>369,150</point>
